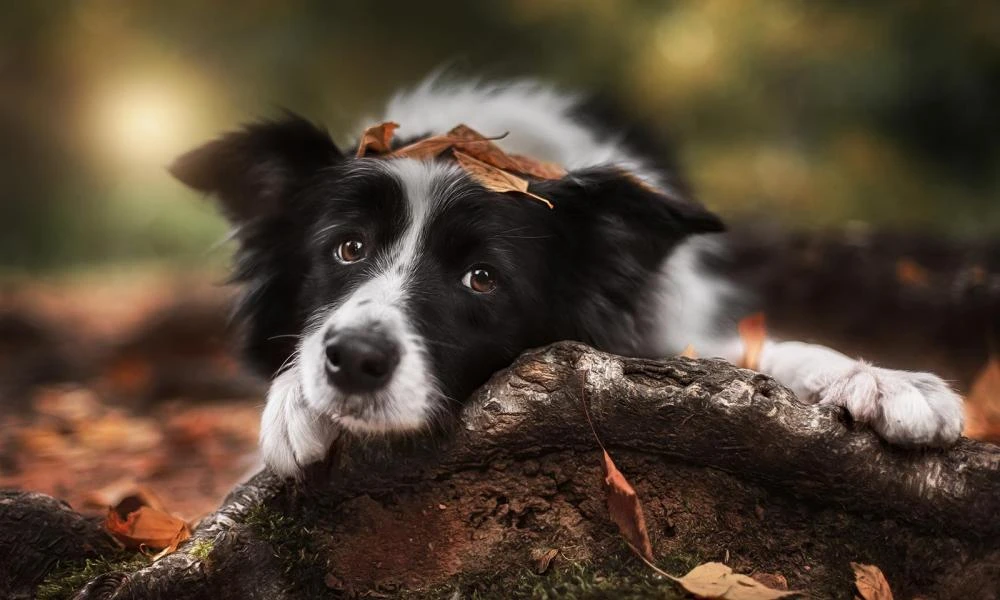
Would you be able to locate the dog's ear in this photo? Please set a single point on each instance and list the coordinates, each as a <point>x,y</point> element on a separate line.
<point>619,206</point>
<point>250,171</point>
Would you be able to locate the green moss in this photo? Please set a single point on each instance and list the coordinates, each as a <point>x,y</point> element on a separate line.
<point>66,579</point>
<point>201,549</point>
<point>294,545</point>
<point>616,577</point>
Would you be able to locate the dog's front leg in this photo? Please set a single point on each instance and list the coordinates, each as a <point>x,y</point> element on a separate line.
<point>292,435</point>
<point>904,407</point>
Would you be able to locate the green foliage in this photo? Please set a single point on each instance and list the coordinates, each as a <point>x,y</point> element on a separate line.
<point>819,112</point>
<point>66,579</point>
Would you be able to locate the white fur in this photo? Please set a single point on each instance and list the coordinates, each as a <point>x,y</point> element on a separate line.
<point>904,407</point>
<point>537,119</point>
<point>292,434</point>
<point>304,411</point>
<point>687,303</point>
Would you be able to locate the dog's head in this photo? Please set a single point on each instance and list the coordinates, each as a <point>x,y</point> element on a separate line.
<point>395,287</point>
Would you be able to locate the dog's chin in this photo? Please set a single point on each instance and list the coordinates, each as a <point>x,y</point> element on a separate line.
<point>382,412</point>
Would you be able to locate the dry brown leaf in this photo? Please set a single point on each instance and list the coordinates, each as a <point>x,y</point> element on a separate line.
<point>753,332</point>
<point>982,405</point>
<point>717,581</point>
<point>377,138</point>
<point>147,527</point>
<point>775,581</point>
<point>140,522</point>
<point>626,510</point>
<point>539,169</point>
<point>623,503</point>
<point>425,148</point>
<point>689,352</point>
<point>495,179</point>
<point>871,583</point>
<point>543,558</point>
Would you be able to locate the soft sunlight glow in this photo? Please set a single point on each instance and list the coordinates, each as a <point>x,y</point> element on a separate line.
<point>143,124</point>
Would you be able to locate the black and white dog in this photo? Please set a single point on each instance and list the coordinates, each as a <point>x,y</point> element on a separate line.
<point>378,294</point>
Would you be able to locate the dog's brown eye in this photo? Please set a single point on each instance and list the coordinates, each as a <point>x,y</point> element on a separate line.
<point>479,279</point>
<point>351,251</point>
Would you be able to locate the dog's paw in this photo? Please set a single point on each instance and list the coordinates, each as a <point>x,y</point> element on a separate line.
<point>292,435</point>
<point>905,408</point>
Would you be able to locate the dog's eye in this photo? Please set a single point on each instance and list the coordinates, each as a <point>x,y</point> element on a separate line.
<point>479,279</point>
<point>350,251</point>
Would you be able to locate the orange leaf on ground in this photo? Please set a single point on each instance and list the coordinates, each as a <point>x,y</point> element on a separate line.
<point>623,503</point>
<point>626,510</point>
<point>871,583</point>
<point>717,581</point>
<point>753,332</point>
<point>982,405</point>
<point>139,525</point>
<point>494,179</point>
<point>377,138</point>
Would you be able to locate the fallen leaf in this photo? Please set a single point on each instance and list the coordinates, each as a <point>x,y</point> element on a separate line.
<point>625,509</point>
<point>147,527</point>
<point>870,582</point>
<point>775,581</point>
<point>911,274</point>
<point>689,352</point>
<point>424,149</point>
<point>461,137</point>
<point>753,332</point>
<point>377,138</point>
<point>982,405</point>
<point>543,559</point>
<point>717,581</point>
<point>494,179</point>
<point>623,503</point>
<point>539,169</point>
<point>140,522</point>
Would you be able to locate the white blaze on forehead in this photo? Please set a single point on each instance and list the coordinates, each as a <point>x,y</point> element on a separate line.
<point>409,398</point>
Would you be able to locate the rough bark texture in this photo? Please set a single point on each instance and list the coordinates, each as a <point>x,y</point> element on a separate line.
<point>728,464</point>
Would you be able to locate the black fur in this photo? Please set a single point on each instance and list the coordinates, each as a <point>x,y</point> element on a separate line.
<point>579,271</point>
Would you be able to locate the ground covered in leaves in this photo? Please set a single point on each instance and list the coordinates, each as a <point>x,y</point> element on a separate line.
<point>130,385</point>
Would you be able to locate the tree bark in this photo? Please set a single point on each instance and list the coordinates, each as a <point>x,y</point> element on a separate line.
<point>729,466</point>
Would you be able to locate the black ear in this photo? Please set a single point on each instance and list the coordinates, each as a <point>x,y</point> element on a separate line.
<point>623,200</point>
<point>251,170</point>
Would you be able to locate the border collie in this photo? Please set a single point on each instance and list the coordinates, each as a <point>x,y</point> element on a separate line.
<point>379,293</point>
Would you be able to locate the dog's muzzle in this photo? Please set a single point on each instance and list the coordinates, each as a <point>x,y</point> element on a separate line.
<point>360,361</point>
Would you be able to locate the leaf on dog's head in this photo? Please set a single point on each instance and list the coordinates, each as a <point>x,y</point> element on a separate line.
<point>753,332</point>
<point>495,179</point>
<point>424,149</point>
<point>377,139</point>
<point>717,581</point>
<point>871,583</point>
<point>539,169</point>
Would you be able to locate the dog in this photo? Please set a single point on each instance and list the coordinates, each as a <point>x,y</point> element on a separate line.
<point>378,293</point>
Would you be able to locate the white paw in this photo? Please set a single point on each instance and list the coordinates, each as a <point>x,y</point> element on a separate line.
<point>292,435</point>
<point>906,408</point>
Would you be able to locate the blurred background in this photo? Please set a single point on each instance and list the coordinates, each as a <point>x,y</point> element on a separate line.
<point>812,116</point>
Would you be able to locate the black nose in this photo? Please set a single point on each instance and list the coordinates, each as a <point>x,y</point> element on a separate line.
<point>359,361</point>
